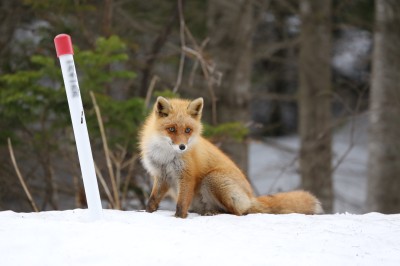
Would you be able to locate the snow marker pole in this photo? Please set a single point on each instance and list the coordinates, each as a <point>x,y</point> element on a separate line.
<point>65,54</point>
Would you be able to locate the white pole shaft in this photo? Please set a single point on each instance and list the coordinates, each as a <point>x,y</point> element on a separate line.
<point>81,135</point>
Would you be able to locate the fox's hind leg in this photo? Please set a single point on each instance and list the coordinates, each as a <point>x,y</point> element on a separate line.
<point>222,193</point>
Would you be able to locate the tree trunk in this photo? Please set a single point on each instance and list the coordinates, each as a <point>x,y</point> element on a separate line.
<point>315,100</point>
<point>230,25</point>
<point>384,143</point>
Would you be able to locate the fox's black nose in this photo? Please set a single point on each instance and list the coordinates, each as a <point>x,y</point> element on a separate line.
<point>182,147</point>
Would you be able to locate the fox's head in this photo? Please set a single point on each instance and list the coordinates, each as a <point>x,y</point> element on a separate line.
<point>178,121</point>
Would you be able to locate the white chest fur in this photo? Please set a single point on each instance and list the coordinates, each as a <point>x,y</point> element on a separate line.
<point>162,161</point>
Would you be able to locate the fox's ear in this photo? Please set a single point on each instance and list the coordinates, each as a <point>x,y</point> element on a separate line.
<point>196,107</point>
<point>162,106</point>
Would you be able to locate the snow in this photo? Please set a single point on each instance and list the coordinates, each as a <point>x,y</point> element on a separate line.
<point>140,238</point>
<point>351,52</point>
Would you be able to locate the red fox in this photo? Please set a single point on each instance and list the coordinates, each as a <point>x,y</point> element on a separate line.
<point>202,177</point>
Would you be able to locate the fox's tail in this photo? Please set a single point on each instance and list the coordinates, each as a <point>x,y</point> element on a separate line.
<point>288,202</point>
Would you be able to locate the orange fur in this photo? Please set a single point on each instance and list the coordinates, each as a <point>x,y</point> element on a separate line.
<point>202,177</point>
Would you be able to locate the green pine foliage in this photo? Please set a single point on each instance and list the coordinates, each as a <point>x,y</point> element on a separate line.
<point>31,98</point>
<point>234,131</point>
<point>33,101</point>
<point>122,120</point>
<point>100,67</point>
<point>169,94</point>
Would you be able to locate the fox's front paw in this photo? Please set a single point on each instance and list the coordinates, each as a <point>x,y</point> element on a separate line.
<point>179,213</point>
<point>151,206</point>
<point>150,209</point>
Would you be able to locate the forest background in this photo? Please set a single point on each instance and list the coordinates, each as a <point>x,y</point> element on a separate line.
<point>265,68</point>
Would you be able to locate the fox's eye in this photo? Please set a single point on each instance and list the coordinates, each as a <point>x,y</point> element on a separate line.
<point>171,129</point>
<point>188,130</point>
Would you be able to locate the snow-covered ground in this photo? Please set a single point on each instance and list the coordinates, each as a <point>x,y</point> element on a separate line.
<point>139,238</point>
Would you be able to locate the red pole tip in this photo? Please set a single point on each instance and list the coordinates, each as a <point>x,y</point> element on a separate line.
<point>63,44</point>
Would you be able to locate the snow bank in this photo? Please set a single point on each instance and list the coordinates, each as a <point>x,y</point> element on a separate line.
<point>139,238</point>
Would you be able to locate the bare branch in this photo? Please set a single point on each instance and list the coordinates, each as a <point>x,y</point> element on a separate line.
<point>283,170</point>
<point>182,36</point>
<point>21,179</point>
<point>106,152</point>
<point>104,185</point>
<point>207,70</point>
<point>196,63</point>
<point>352,128</point>
<point>131,164</point>
<point>150,90</point>
<point>77,197</point>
